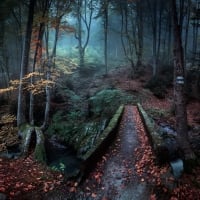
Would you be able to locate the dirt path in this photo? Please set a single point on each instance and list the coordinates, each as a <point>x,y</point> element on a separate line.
<point>119,179</point>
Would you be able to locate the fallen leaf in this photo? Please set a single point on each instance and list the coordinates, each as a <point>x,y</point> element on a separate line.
<point>2,189</point>
<point>93,195</point>
<point>72,189</point>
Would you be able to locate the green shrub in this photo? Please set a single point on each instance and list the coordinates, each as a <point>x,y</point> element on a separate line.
<point>105,103</point>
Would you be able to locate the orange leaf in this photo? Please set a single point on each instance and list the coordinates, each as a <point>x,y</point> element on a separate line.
<point>2,189</point>
<point>94,195</point>
<point>153,197</point>
<point>72,189</point>
<point>87,188</point>
<point>75,184</point>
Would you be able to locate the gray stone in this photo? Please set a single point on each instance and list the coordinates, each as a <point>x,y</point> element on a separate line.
<point>177,168</point>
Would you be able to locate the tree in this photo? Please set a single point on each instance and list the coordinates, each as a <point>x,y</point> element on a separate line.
<point>179,88</point>
<point>155,13</point>
<point>84,12</point>
<point>24,64</point>
<point>103,13</point>
<point>195,26</point>
<point>132,34</point>
<point>105,25</point>
<point>6,11</point>
<point>128,32</point>
<point>140,33</point>
<point>43,7</point>
<point>188,14</point>
<point>24,129</point>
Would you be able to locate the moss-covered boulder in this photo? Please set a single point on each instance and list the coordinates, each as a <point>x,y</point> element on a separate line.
<point>166,148</point>
<point>106,102</point>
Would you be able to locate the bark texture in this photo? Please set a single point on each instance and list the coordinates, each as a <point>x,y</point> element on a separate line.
<point>179,89</point>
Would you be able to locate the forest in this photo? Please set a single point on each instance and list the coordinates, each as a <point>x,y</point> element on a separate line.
<point>100,99</point>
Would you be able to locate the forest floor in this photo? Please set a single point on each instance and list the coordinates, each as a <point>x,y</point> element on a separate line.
<point>127,171</point>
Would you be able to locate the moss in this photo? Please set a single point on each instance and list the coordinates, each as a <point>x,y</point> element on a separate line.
<point>150,124</point>
<point>112,124</point>
<point>24,126</point>
<point>153,131</point>
<point>40,152</point>
<point>25,131</point>
<point>106,102</point>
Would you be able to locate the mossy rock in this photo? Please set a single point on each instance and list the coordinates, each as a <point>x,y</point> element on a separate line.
<point>157,141</point>
<point>111,126</point>
<point>24,128</point>
<point>40,152</point>
<point>107,101</point>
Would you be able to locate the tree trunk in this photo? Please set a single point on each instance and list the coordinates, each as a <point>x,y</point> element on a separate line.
<point>106,35</point>
<point>56,36</point>
<point>169,40</point>
<point>48,97</point>
<point>179,89</point>
<point>159,33</point>
<point>38,54</point>
<point>79,35</point>
<point>153,17</point>
<point>127,38</point>
<point>2,28</point>
<point>187,29</point>
<point>85,19</point>
<point>24,64</point>
<point>139,23</point>
<point>5,78</point>
<point>38,47</point>
<point>33,140</point>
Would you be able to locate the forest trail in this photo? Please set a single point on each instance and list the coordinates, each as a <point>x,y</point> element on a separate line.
<point>120,179</point>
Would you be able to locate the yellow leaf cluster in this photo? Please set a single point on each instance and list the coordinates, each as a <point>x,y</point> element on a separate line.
<point>39,86</point>
<point>8,118</point>
<point>66,66</point>
<point>8,137</point>
<point>32,74</point>
<point>9,89</point>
